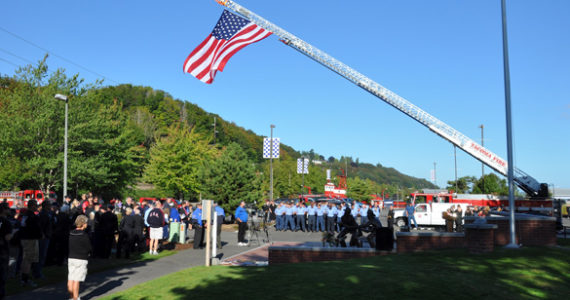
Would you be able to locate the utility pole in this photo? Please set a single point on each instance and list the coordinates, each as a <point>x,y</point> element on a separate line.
<point>434,174</point>
<point>271,163</point>
<point>482,164</point>
<point>455,157</point>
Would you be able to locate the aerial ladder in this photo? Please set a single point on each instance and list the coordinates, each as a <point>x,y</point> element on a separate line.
<point>524,181</point>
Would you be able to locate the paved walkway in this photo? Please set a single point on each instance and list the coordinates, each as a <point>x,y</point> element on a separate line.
<point>113,281</point>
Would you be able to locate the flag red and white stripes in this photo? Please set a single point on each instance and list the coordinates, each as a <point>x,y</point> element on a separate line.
<point>230,35</point>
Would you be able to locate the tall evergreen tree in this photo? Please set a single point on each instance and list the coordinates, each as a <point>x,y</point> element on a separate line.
<point>232,178</point>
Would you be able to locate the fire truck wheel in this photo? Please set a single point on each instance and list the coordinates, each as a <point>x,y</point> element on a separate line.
<point>401,222</point>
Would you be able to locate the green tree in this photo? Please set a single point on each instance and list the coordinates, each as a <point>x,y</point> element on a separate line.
<point>103,153</point>
<point>176,160</point>
<point>231,178</point>
<point>463,184</point>
<point>32,135</point>
<point>359,189</point>
<point>491,184</point>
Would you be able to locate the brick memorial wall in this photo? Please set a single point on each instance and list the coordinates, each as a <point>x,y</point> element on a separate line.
<point>416,241</point>
<point>529,230</point>
<point>291,254</point>
<point>478,238</point>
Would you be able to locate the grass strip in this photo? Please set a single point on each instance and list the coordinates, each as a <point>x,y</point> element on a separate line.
<point>527,273</point>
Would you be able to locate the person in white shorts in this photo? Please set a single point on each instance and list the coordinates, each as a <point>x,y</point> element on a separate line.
<point>79,250</point>
<point>156,221</point>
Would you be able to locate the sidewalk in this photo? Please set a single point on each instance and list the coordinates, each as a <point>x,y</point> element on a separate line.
<point>112,281</point>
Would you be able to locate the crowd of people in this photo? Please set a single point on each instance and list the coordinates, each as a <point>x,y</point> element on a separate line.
<point>33,236</point>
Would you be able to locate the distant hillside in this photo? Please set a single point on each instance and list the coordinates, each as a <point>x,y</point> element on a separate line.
<point>155,110</point>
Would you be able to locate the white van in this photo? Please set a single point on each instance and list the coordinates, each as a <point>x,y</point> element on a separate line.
<point>427,214</point>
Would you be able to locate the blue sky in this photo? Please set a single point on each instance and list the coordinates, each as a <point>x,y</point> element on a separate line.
<point>443,55</point>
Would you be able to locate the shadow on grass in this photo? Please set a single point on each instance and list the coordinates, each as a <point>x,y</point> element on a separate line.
<point>102,277</point>
<point>530,273</point>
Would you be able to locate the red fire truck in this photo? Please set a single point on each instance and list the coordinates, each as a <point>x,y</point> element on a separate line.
<point>20,198</point>
<point>481,200</point>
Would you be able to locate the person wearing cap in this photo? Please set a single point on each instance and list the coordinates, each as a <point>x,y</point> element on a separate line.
<point>79,250</point>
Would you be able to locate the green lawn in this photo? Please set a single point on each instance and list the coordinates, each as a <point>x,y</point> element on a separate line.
<point>54,274</point>
<point>528,273</point>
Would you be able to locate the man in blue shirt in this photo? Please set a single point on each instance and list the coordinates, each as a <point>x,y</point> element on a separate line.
<point>311,215</point>
<point>278,216</point>
<point>363,214</point>
<point>320,217</point>
<point>331,217</point>
<point>301,210</point>
<point>376,209</point>
<point>241,219</point>
<point>289,216</point>
<point>410,209</point>
<point>198,228</point>
<point>355,211</point>
<point>220,216</point>
<point>339,216</point>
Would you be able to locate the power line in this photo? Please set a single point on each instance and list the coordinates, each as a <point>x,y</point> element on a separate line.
<point>15,55</point>
<point>9,62</point>
<point>56,55</point>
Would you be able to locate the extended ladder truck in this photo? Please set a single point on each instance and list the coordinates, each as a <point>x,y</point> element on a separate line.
<point>524,181</point>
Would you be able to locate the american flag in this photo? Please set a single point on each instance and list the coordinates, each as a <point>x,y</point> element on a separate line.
<point>230,35</point>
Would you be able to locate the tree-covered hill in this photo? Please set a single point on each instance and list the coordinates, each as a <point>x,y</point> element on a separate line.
<point>123,135</point>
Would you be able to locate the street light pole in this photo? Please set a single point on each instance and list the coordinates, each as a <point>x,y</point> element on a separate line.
<point>507,80</point>
<point>64,98</point>
<point>271,163</point>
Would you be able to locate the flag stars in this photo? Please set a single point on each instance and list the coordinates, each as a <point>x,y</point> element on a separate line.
<point>228,25</point>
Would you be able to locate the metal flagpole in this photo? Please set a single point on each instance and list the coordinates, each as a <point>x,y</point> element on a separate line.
<point>510,161</point>
<point>271,163</point>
